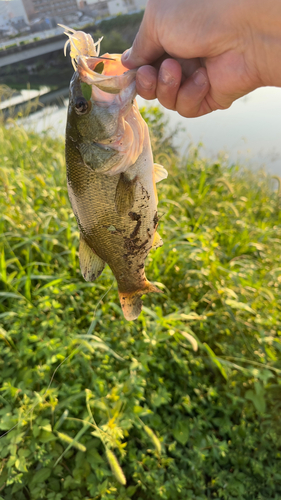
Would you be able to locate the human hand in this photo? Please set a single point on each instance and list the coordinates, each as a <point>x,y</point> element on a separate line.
<point>197,56</point>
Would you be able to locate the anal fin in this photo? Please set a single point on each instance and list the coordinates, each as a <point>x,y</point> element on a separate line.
<point>91,264</point>
<point>125,194</point>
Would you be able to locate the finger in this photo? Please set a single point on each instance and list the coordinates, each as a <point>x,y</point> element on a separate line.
<point>146,47</point>
<point>140,53</point>
<point>230,80</point>
<point>146,82</point>
<point>169,79</point>
<point>189,66</point>
<point>191,100</point>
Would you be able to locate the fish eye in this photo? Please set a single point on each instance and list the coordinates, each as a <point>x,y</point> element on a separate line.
<point>81,106</point>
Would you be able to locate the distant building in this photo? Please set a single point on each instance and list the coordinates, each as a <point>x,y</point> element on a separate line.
<point>4,15</point>
<point>50,8</point>
<point>140,4</point>
<point>125,6</point>
<point>29,9</point>
<point>12,12</point>
<point>94,8</point>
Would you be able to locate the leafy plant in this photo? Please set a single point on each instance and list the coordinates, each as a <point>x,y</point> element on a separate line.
<point>183,403</point>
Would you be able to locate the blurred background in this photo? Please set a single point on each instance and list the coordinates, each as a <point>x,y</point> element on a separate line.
<point>33,65</point>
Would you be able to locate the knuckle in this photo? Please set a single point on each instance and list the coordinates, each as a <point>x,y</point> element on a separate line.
<point>214,105</point>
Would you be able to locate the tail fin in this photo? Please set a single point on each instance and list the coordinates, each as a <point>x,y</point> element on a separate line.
<point>131,303</point>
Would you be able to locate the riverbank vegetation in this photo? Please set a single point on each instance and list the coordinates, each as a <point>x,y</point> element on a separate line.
<point>187,397</point>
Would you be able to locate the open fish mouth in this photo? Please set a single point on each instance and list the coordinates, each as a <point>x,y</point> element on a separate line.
<point>85,58</point>
<point>110,85</point>
<point>107,72</point>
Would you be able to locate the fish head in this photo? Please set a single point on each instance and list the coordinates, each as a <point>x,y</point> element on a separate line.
<point>102,96</point>
<point>92,120</point>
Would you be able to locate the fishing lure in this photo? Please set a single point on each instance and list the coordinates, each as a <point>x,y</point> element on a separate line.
<point>81,44</point>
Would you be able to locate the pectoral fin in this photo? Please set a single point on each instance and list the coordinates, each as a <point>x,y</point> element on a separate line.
<point>91,265</point>
<point>98,157</point>
<point>160,172</point>
<point>157,241</point>
<point>125,194</point>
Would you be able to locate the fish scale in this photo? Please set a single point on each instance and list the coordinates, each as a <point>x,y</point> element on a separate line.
<point>106,232</point>
<point>111,178</point>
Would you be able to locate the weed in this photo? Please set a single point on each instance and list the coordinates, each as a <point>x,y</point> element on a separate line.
<point>187,398</point>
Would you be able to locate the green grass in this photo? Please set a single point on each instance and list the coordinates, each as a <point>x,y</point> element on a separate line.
<point>188,396</point>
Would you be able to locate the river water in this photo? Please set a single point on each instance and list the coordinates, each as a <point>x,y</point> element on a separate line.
<point>249,132</point>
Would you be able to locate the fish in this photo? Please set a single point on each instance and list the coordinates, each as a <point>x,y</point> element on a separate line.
<point>111,175</point>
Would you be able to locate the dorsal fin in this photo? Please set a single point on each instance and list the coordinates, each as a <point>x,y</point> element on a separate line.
<point>91,264</point>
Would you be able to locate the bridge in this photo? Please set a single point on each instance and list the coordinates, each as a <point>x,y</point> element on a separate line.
<point>49,41</point>
<point>20,53</point>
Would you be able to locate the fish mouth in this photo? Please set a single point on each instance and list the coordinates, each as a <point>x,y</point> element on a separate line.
<point>115,86</point>
<point>114,78</point>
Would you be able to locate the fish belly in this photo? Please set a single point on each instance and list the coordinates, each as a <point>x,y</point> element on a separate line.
<point>122,241</point>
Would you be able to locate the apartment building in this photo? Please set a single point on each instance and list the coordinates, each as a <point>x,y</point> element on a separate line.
<point>12,11</point>
<point>50,8</point>
<point>125,6</point>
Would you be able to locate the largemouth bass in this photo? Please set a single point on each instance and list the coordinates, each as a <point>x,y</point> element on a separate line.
<point>111,176</point>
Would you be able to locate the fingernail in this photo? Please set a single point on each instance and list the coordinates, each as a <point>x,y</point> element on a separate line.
<point>199,78</point>
<point>144,82</point>
<point>166,77</point>
<point>126,55</point>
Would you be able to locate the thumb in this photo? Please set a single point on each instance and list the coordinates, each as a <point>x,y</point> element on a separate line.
<point>146,49</point>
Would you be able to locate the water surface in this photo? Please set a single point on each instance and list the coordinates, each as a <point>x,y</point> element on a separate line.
<point>248,132</point>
